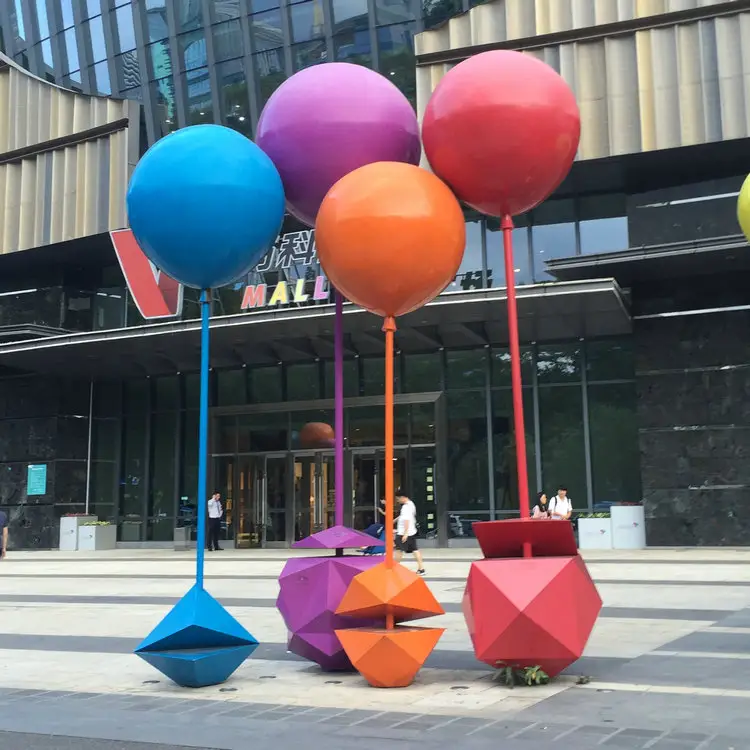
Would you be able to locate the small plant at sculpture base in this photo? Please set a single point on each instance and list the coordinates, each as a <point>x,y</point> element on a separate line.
<point>512,675</point>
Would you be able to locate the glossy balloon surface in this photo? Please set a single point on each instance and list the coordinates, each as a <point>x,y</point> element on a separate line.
<point>328,120</point>
<point>390,237</point>
<point>502,129</point>
<point>205,204</point>
<point>743,208</point>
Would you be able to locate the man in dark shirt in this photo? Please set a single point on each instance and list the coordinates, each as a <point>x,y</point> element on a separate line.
<point>3,533</point>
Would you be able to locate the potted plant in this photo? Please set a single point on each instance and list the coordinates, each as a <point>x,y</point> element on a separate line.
<point>595,531</point>
<point>97,535</point>
<point>69,524</point>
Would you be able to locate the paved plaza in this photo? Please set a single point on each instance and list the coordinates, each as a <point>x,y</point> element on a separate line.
<point>669,662</point>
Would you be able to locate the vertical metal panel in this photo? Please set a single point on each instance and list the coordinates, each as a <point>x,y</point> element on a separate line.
<point>586,429</point>
<point>141,37</point>
<point>179,92</point>
<point>211,60</point>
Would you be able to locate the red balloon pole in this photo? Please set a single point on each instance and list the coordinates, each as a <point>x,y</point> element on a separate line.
<point>515,370</point>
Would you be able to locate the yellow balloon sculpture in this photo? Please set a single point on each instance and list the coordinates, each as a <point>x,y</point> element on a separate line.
<point>743,207</point>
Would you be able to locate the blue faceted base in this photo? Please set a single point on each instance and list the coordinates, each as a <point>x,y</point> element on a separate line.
<point>198,643</point>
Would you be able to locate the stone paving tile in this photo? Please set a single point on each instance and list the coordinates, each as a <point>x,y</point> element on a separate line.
<point>711,642</point>
<point>632,738</point>
<point>680,741</point>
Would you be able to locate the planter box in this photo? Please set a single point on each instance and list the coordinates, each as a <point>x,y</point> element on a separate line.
<point>94,538</point>
<point>69,531</point>
<point>595,533</point>
<point>628,527</point>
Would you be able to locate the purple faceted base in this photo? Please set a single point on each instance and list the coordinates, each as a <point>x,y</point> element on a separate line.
<point>311,591</point>
<point>336,537</point>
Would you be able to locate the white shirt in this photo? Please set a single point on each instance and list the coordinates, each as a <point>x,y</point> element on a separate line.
<point>561,505</point>
<point>214,508</point>
<point>408,513</point>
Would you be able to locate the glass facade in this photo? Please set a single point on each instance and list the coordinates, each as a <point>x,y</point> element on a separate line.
<point>272,451</point>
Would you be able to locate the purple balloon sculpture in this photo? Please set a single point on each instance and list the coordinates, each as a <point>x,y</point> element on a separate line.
<point>329,120</point>
<point>318,126</point>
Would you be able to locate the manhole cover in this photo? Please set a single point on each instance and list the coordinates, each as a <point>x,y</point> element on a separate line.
<point>227,690</point>
<point>460,687</point>
<point>151,682</point>
<point>268,677</point>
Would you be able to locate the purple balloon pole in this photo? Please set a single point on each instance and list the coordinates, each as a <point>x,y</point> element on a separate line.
<point>338,366</point>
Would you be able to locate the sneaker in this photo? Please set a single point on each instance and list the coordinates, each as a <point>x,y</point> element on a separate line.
<point>421,572</point>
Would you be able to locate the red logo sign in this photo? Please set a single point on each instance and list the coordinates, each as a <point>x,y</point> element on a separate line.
<point>156,295</point>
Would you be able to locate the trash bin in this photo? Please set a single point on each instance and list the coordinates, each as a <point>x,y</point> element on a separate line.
<point>182,540</point>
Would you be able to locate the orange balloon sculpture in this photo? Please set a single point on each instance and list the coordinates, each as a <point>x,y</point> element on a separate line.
<point>316,435</point>
<point>390,238</point>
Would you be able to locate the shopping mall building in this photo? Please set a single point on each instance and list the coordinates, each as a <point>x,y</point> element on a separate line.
<point>633,280</point>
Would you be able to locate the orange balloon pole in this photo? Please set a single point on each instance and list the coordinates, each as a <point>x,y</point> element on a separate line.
<point>389,327</point>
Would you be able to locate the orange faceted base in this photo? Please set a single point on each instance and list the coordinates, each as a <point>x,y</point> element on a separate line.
<point>389,658</point>
<point>382,591</point>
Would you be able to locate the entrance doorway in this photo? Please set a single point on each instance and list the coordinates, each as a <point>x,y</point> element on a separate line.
<point>253,493</point>
<point>368,484</point>
<point>314,493</point>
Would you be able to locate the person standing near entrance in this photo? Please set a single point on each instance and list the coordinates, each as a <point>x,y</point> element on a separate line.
<point>406,532</point>
<point>215,512</point>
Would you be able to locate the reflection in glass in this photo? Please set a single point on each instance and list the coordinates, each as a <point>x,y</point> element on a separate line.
<point>468,479</point>
<point>308,53</point>
<point>365,426</point>
<point>258,433</point>
<point>504,450</point>
<point>166,393</point>
<point>496,256</point>
<point>614,443</point>
<point>233,96</point>
<point>258,6</point>
<point>422,372</point>
<point>270,71</point>
<point>436,12</point>
<point>351,379</point>
<point>373,376</point>
<point>553,234</point>
<point>159,61</point>
<point>307,21</point>
<point>603,226</point>
<point>162,496</point>
<point>469,274</point>
<point>162,93</point>
<point>265,385</point>
<point>67,13</point>
<point>191,49</point>
<point>396,50</point>
<point>349,14</point>
<point>466,368</point>
<point>231,387</point>
<point>199,104</point>
<point>47,53</point>
<point>156,20</point>
<point>302,382</point>
<point>125,30</point>
<point>227,39</point>
<point>562,442</point>
<point>559,363</point>
<point>101,78</point>
<point>188,15</point>
<point>92,8</point>
<point>266,30</point>
<point>353,47</point>
<point>501,375</point>
<point>610,359</point>
<point>41,15</point>
<point>395,11</point>
<point>71,51</point>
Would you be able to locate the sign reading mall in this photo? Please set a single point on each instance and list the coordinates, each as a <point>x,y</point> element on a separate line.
<point>294,249</point>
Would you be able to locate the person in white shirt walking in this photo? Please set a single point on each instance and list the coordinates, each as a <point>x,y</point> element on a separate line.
<point>561,507</point>
<point>215,512</point>
<point>406,532</point>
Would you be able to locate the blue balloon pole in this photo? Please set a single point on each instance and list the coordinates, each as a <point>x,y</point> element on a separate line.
<point>203,438</point>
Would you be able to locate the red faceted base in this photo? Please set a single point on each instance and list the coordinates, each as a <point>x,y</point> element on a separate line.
<point>528,612</point>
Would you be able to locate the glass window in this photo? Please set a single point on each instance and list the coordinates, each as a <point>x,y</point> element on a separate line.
<point>396,50</point>
<point>102,489</point>
<point>258,6</point>
<point>95,32</point>
<point>271,73</point>
<point>615,460</point>
<point>559,363</point>
<point>388,12</point>
<point>231,387</point>
<point>366,426</point>
<point>162,93</point>
<point>603,224</point>
<point>192,388</point>
<point>132,480</point>
<point>162,495</point>
<point>265,385</point>
<point>501,375</point>
<point>262,432</point>
<point>188,15</point>
<point>351,379</point>
<point>189,469</point>
<point>101,79</point>
<point>104,439</point>
<point>224,434</point>
<point>504,449</point>
<point>422,372</point>
<point>306,20</point>
<point>353,47</point>
<point>469,274</point>
<point>562,443</point>
<point>47,52</point>
<point>466,368</point>
<point>41,15</point>
<point>553,234</point>
<point>166,393</point>
<point>125,29</point>
<point>350,14</point>
<point>198,90</point>
<point>92,8</point>
<point>422,423</point>
<point>227,40</point>
<point>71,51</point>
<point>191,48</point>
<point>234,97</point>
<point>107,398</point>
<point>267,30</point>
<point>127,70</point>
<point>308,53</point>
<point>67,13</point>
<point>157,20</point>
<point>437,13</point>
<point>496,253</point>
<point>314,437</point>
<point>159,61</point>
<point>467,450</point>
<point>373,376</point>
<point>610,359</point>
<point>303,382</point>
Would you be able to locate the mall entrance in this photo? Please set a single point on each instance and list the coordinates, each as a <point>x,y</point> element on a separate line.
<point>274,498</point>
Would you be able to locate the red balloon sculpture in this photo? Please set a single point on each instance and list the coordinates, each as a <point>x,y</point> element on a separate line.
<point>502,129</point>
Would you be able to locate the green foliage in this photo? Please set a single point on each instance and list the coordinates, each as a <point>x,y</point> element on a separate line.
<point>513,675</point>
<point>594,515</point>
<point>97,523</point>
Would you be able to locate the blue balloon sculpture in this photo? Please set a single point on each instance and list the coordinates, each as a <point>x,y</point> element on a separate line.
<point>205,205</point>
